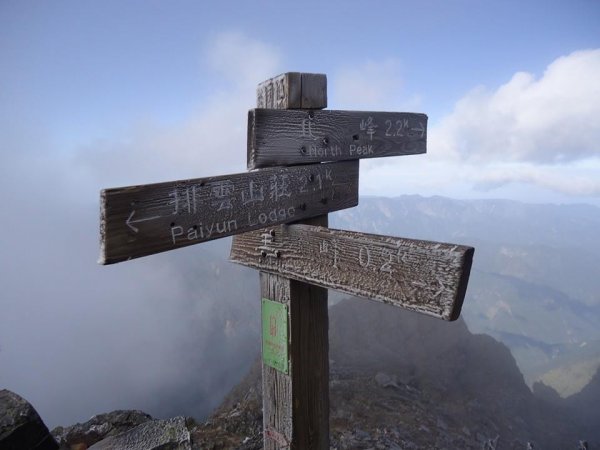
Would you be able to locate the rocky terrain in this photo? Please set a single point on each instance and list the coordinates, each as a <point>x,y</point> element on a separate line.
<point>410,382</point>
<point>413,383</point>
<point>21,426</point>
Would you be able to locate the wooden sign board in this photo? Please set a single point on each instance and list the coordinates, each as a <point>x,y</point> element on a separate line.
<point>286,137</point>
<point>293,90</point>
<point>142,220</point>
<point>428,277</point>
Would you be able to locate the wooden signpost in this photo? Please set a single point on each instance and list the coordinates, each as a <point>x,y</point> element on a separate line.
<point>142,220</point>
<point>423,276</point>
<point>307,165</point>
<point>296,391</point>
<point>285,137</point>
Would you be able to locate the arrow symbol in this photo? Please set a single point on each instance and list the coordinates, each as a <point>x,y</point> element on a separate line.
<point>130,222</point>
<point>421,129</point>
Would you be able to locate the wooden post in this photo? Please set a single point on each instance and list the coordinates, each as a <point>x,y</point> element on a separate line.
<point>296,403</point>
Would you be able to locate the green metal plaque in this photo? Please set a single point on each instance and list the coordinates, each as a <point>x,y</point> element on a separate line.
<point>275,335</point>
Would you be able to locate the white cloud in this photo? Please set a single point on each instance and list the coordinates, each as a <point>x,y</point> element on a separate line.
<point>549,120</point>
<point>570,179</point>
<point>428,175</point>
<point>538,134</point>
<point>107,336</point>
<point>210,142</point>
<point>371,85</point>
<point>243,60</point>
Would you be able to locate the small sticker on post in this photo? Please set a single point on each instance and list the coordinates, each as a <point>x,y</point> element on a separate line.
<point>275,335</point>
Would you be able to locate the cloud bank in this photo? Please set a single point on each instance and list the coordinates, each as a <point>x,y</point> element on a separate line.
<point>210,142</point>
<point>550,120</point>
<point>540,133</point>
<point>159,334</point>
<point>372,85</point>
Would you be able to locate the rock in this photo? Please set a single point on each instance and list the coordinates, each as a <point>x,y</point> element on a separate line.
<point>442,424</point>
<point>361,434</point>
<point>21,426</point>
<point>385,380</point>
<point>169,434</point>
<point>424,429</point>
<point>98,428</point>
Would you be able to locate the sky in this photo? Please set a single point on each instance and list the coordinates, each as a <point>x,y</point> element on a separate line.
<point>115,93</point>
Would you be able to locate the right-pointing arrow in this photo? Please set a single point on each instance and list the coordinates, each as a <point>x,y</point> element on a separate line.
<point>421,129</point>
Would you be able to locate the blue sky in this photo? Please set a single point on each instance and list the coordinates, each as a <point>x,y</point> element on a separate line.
<point>112,93</point>
<point>83,79</point>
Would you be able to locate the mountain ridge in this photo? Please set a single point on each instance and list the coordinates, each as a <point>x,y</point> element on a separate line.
<point>528,257</point>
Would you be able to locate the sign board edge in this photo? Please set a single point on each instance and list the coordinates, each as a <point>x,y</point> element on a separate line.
<point>463,283</point>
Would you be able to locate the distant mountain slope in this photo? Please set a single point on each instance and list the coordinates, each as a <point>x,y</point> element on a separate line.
<point>535,283</point>
<point>495,220</point>
<point>586,404</point>
<point>555,245</point>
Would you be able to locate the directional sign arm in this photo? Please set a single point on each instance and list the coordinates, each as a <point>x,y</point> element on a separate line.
<point>428,277</point>
<point>285,137</point>
<point>142,220</point>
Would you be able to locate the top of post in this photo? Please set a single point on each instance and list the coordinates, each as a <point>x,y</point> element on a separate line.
<point>293,90</point>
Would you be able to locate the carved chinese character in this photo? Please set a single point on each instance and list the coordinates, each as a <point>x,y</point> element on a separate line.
<point>269,95</point>
<point>368,126</point>
<point>280,92</point>
<point>307,128</point>
<point>183,201</point>
<point>174,202</point>
<point>325,247</point>
<point>254,194</point>
<point>221,193</point>
<point>260,97</point>
<point>279,187</point>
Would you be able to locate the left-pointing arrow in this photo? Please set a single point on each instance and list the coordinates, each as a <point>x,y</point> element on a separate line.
<point>129,222</point>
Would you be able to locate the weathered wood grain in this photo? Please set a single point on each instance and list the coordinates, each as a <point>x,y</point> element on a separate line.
<point>282,91</point>
<point>143,220</point>
<point>293,90</point>
<point>296,405</point>
<point>285,137</point>
<point>314,91</point>
<point>428,277</point>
